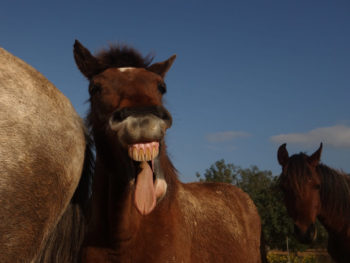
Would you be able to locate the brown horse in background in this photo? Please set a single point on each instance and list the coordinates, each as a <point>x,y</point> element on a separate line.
<point>42,146</point>
<point>313,190</point>
<point>140,211</point>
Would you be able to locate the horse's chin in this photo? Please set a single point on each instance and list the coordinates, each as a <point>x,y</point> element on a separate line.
<point>306,237</point>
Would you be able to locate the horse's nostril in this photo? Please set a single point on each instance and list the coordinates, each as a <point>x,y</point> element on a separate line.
<point>165,116</point>
<point>118,116</point>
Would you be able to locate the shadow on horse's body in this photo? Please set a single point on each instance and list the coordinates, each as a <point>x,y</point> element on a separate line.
<point>42,146</point>
<point>140,211</point>
<point>313,190</point>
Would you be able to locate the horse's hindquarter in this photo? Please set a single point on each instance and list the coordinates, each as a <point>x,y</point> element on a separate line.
<point>222,222</point>
<point>41,156</point>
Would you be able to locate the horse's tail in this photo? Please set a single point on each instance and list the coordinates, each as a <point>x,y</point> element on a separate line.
<point>65,241</point>
<point>263,253</point>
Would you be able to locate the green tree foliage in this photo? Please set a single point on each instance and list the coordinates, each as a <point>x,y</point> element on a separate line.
<point>220,172</point>
<point>262,187</point>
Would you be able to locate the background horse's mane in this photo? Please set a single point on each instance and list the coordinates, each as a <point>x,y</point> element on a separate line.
<point>335,191</point>
<point>118,56</point>
<point>335,185</point>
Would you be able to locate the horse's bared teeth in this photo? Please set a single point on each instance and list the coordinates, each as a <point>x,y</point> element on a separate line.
<point>141,154</point>
<point>143,151</point>
<point>135,154</point>
<point>148,154</point>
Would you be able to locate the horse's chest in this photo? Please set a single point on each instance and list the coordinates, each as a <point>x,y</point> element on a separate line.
<point>156,247</point>
<point>128,254</point>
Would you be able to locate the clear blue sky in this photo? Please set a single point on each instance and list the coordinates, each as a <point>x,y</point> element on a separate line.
<point>249,75</point>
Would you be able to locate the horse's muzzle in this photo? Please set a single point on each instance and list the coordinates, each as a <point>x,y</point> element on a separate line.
<point>306,237</point>
<point>140,124</point>
<point>158,111</point>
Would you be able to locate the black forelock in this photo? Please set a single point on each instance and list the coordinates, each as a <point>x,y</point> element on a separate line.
<point>118,56</point>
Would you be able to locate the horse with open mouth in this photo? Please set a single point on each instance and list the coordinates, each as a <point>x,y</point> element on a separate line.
<point>140,211</point>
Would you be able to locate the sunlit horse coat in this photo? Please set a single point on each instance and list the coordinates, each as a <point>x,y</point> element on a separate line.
<point>42,146</point>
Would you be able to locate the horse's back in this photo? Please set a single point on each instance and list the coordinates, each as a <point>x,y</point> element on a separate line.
<point>41,157</point>
<point>223,222</point>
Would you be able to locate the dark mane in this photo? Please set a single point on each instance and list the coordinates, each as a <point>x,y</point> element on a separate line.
<point>335,191</point>
<point>118,56</point>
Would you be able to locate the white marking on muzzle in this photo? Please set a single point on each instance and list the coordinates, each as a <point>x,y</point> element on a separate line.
<point>125,69</point>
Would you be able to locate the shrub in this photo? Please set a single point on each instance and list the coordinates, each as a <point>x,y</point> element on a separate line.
<point>282,258</point>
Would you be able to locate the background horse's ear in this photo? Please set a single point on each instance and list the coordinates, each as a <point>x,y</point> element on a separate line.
<point>282,155</point>
<point>161,68</point>
<point>314,159</point>
<point>87,63</point>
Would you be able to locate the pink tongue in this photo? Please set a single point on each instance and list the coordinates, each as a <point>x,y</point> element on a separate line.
<point>145,197</point>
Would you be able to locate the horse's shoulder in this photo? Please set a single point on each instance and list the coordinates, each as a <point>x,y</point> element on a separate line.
<point>215,189</point>
<point>220,211</point>
<point>218,196</point>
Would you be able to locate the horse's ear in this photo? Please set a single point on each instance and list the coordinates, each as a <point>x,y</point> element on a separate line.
<point>282,155</point>
<point>315,158</point>
<point>87,63</point>
<point>161,68</point>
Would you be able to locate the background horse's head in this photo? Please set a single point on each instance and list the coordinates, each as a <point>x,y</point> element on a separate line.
<point>301,186</point>
<point>127,117</point>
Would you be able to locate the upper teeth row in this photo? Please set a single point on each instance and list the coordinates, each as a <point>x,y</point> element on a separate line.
<point>144,151</point>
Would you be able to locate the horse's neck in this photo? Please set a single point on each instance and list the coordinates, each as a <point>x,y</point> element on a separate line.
<point>112,210</point>
<point>334,223</point>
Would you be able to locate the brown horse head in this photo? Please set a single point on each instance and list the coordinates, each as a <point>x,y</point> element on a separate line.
<point>127,117</point>
<point>301,186</point>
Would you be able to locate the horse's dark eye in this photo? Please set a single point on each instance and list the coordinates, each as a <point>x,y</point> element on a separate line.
<point>162,88</point>
<point>94,88</point>
<point>317,186</point>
